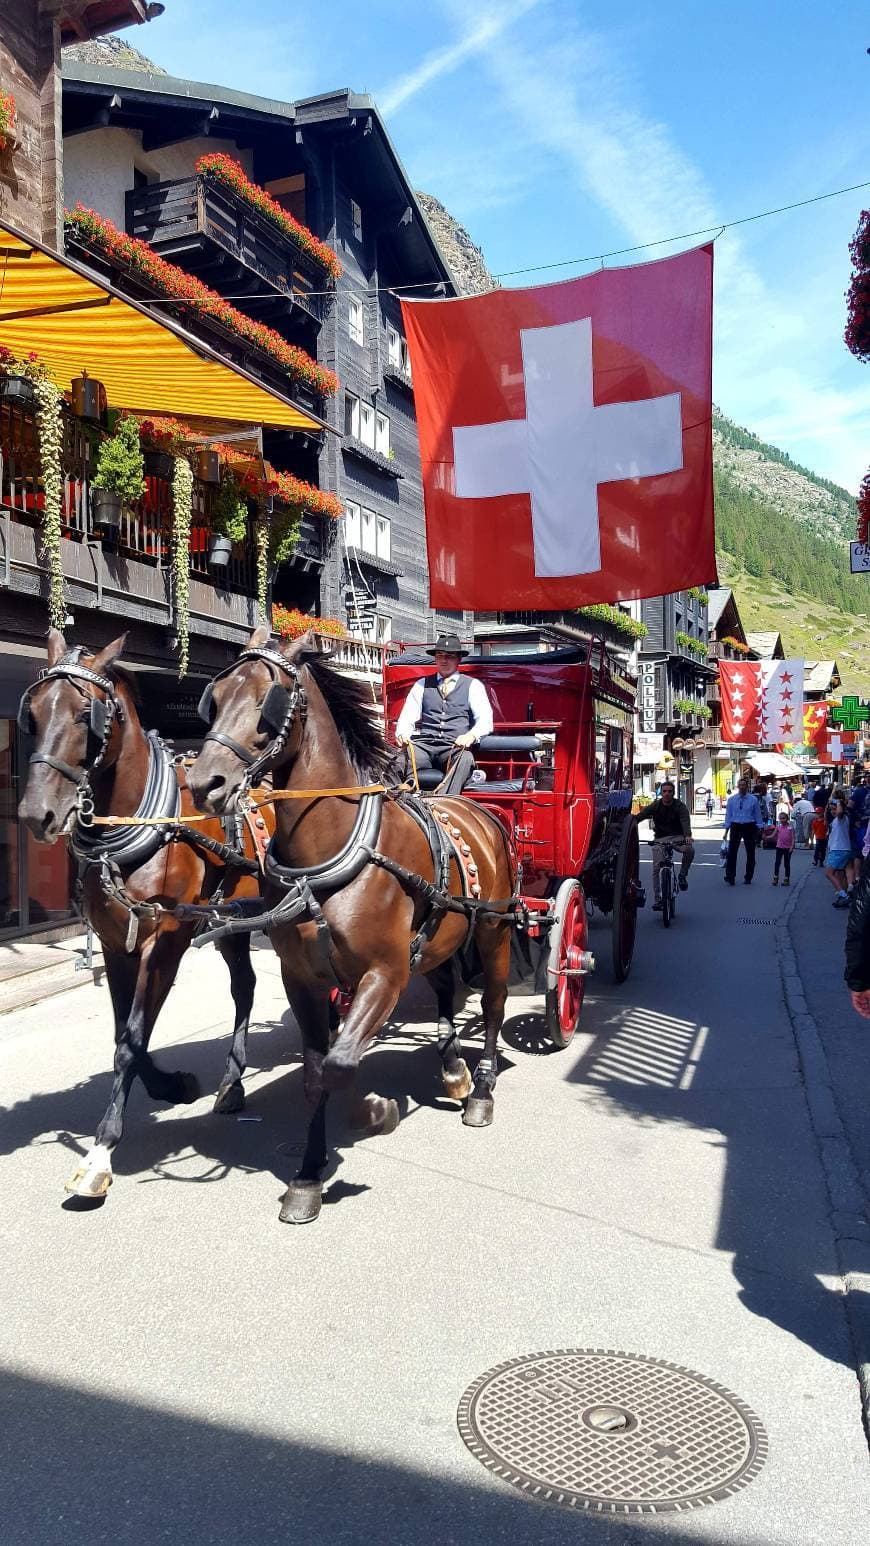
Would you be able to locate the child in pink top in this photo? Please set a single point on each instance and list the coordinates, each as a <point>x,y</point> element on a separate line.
<point>784,846</point>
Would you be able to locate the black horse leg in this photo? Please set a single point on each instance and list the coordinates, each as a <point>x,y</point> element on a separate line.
<point>455,1076</point>
<point>301,1201</point>
<point>494,945</point>
<point>138,985</point>
<point>236,951</point>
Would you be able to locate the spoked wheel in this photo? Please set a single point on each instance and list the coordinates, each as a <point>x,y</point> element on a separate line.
<point>626,891</point>
<point>669,901</point>
<point>567,962</point>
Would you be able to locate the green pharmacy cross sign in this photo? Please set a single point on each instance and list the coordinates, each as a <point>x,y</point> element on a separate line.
<point>851,714</point>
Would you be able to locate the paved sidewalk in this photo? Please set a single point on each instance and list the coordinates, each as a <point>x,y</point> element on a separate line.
<point>179,1367</point>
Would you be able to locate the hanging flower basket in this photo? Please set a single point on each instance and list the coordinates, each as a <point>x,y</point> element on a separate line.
<point>159,464</point>
<point>88,397</point>
<point>18,390</point>
<point>857,335</point>
<point>8,115</point>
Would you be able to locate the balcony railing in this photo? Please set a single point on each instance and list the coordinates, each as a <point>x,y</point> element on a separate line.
<point>199,218</point>
<point>145,528</point>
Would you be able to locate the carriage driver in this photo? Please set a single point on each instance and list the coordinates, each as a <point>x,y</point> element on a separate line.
<point>673,824</point>
<point>445,715</point>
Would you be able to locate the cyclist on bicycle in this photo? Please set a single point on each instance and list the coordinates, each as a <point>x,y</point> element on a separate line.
<point>673,824</point>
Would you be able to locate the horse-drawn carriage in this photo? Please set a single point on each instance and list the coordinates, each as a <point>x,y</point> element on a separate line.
<point>557,771</point>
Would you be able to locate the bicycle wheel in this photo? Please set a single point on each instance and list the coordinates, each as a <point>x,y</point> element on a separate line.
<point>667,885</point>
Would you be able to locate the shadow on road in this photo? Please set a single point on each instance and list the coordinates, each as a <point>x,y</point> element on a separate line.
<point>82,1468</point>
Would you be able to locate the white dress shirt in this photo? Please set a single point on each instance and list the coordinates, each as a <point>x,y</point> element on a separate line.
<point>478,703</point>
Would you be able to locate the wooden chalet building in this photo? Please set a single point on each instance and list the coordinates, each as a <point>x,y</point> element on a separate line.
<point>132,144</point>
<point>674,673</point>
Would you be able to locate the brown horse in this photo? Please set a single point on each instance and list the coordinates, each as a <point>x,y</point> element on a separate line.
<point>92,758</point>
<point>347,872</point>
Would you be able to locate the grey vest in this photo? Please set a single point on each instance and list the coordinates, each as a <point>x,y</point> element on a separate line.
<point>443,719</point>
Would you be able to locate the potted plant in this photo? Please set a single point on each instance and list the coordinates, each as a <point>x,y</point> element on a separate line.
<point>120,476</point>
<point>8,139</point>
<point>162,440</point>
<point>229,520</point>
<point>18,376</point>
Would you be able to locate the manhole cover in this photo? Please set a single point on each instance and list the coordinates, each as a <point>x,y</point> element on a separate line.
<point>611,1432</point>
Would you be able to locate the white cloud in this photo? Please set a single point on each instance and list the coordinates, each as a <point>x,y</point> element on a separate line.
<point>491,23</point>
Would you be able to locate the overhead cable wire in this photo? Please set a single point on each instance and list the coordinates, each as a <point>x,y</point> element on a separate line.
<point>594,257</point>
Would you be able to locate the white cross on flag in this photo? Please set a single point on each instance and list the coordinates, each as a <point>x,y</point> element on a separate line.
<point>565,437</point>
<point>836,747</point>
<point>762,701</point>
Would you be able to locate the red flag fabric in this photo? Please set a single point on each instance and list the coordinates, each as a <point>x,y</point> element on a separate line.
<point>837,746</point>
<point>815,721</point>
<point>762,701</point>
<point>565,437</point>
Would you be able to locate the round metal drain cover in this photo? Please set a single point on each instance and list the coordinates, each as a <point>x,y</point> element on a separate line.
<point>613,1433</point>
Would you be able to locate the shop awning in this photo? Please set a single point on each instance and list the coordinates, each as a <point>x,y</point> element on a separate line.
<point>771,763</point>
<point>75,321</point>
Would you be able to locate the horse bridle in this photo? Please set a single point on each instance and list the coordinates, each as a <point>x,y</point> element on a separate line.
<point>103,714</point>
<point>278,709</point>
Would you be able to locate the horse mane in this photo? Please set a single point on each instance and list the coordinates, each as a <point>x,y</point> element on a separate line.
<point>350,706</point>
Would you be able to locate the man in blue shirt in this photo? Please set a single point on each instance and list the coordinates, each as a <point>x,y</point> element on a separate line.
<point>743,823</point>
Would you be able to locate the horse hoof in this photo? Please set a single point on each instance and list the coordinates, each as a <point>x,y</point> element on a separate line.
<point>188,1089</point>
<point>457,1083</point>
<point>301,1202</point>
<point>479,1111</point>
<point>230,1099</point>
<point>85,1182</point>
<point>375,1117</point>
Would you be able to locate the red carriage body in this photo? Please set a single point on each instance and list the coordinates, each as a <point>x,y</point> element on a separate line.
<point>557,769</point>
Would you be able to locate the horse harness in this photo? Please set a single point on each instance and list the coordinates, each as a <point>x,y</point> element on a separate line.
<point>153,825</point>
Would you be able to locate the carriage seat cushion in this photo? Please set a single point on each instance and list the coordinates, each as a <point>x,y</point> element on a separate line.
<point>509,743</point>
<point>497,786</point>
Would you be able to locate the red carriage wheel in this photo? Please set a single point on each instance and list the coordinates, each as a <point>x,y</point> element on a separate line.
<point>565,964</point>
<point>626,888</point>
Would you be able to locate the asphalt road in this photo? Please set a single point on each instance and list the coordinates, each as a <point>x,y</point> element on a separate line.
<point>179,1367</point>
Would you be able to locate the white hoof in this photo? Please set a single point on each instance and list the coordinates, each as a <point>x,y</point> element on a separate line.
<point>94,1177</point>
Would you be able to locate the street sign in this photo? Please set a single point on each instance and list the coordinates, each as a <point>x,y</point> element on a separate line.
<point>647,694</point>
<point>851,714</point>
<point>859,557</point>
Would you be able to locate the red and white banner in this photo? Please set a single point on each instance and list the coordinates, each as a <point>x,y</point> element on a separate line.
<point>565,437</point>
<point>815,721</point>
<point>837,746</point>
<point>762,701</point>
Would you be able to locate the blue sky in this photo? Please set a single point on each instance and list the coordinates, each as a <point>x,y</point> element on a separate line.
<point>557,128</point>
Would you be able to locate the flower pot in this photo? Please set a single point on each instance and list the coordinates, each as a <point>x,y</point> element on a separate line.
<point>19,390</point>
<point>88,397</point>
<point>159,464</point>
<point>107,513</point>
<point>220,551</point>
<point>208,465</point>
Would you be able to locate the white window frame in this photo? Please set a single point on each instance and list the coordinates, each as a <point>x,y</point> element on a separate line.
<point>382,434</point>
<point>394,346</point>
<point>351,415</point>
<point>352,524</point>
<point>366,424</point>
<point>383,536</point>
<point>355,319</point>
<point>368,542</point>
<point>356,220</point>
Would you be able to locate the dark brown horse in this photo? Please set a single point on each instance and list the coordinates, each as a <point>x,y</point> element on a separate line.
<point>363,921</point>
<point>93,758</point>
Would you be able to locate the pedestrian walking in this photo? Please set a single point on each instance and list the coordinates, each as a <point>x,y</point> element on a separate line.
<point>819,830</point>
<point>858,810</point>
<point>743,824</point>
<point>709,806</point>
<point>784,846</point>
<point>858,947</point>
<point>802,812</point>
<point>839,855</point>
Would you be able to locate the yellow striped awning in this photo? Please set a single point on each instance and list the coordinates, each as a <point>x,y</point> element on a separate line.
<point>75,321</point>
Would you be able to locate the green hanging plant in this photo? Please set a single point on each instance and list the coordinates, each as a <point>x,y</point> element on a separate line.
<point>49,424</point>
<point>182,517</point>
<point>261,539</point>
<point>120,465</point>
<point>284,535</point>
<point>229,513</point>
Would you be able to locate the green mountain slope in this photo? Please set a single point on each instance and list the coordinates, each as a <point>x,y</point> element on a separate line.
<point>782,536</point>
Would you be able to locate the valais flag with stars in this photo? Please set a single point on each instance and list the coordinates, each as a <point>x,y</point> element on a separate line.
<point>762,701</point>
<point>566,440</point>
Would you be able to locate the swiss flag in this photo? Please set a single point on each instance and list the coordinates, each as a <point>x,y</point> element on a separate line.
<point>566,440</point>
<point>837,746</point>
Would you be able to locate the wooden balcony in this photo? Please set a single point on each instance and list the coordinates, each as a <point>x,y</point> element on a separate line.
<point>212,232</point>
